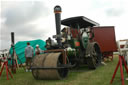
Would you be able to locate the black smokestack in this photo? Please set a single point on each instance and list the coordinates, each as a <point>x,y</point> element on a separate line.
<point>12,38</point>
<point>57,11</point>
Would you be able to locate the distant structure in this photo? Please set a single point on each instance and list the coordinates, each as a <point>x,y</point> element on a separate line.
<point>123,48</point>
<point>122,42</point>
<point>4,53</point>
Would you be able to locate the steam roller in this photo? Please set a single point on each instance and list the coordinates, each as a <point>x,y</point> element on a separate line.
<point>74,47</point>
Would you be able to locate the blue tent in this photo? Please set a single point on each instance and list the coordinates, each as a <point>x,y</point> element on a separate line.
<point>21,45</point>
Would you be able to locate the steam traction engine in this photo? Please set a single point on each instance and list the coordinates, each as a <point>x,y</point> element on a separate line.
<point>74,47</point>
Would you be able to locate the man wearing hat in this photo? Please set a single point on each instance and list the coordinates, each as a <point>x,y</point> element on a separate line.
<point>38,50</point>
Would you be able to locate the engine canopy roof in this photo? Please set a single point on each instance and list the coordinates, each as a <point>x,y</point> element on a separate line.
<point>80,21</point>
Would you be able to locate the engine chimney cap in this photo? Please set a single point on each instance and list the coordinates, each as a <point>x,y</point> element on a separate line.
<point>57,9</point>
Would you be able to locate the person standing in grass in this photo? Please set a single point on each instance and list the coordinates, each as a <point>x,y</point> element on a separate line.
<point>29,53</point>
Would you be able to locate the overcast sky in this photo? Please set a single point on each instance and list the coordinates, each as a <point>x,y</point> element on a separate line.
<point>34,19</point>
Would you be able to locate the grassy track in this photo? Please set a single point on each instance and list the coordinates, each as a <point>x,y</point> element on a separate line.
<point>101,76</point>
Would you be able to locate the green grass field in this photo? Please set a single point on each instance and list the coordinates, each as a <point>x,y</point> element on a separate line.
<point>101,76</point>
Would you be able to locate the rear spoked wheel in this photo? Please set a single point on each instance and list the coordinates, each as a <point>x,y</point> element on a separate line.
<point>94,58</point>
